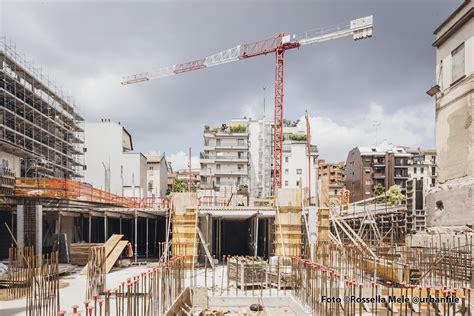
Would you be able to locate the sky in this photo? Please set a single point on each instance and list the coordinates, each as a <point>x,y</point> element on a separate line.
<point>358,92</point>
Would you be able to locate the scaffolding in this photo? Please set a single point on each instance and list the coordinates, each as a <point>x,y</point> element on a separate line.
<point>38,122</point>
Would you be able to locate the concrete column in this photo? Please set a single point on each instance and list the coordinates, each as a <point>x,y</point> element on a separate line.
<point>256,236</point>
<point>146,239</point>
<point>105,228</point>
<point>136,235</point>
<point>313,231</point>
<point>39,230</point>
<point>90,227</point>
<point>20,225</point>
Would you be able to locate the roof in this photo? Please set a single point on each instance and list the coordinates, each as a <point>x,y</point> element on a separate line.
<point>451,16</point>
<point>381,150</point>
<point>458,24</point>
<point>155,158</point>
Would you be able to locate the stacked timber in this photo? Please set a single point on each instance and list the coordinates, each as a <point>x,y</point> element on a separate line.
<point>246,271</point>
<point>113,248</point>
<point>184,229</point>
<point>80,253</point>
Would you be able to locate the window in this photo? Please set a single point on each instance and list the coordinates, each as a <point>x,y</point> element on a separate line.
<point>286,159</point>
<point>84,149</point>
<point>286,171</point>
<point>286,183</point>
<point>240,167</point>
<point>218,142</point>
<point>150,168</point>
<point>218,167</point>
<point>297,183</point>
<point>299,171</point>
<point>422,169</point>
<point>368,182</point>
<point>218,180</point>
<point>84,167</point>
<point>457,66</point>
<point>414,170</point>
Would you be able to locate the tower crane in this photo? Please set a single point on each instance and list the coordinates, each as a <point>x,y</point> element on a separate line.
<point>359,29</point>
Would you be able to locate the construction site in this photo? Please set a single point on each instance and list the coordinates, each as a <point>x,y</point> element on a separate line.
<point>68,247</point>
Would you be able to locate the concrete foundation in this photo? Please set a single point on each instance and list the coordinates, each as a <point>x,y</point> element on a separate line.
<point>451,203</point>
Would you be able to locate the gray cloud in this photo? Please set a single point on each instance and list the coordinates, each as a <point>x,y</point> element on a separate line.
<point>89,45</point>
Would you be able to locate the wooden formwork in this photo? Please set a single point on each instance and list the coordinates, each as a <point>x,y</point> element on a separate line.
<point>184,229</point>
<point>288,231</point>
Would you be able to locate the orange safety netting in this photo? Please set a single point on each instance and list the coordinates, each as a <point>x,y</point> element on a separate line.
<point>72,190</point>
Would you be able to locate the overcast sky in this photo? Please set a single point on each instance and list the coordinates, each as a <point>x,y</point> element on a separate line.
<point>88,46</point>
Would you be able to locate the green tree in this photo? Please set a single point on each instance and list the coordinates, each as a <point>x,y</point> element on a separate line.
<point>394,195</point>
<point>179,185</point>
<point>379,193</point>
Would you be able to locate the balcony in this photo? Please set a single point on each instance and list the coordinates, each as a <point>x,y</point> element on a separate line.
<point>401,176</point>
<point>232,172</point>
<point>231,145</point>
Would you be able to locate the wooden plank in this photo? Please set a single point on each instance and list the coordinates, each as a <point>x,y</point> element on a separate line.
<point>114,255</point>
<point>109,245</point>
<point>204,244</point>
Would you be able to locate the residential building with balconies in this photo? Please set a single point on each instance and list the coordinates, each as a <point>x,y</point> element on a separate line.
<point>368,167</point>
<point>423,174</point>
<point>335,174</point>
<point>225,158</point>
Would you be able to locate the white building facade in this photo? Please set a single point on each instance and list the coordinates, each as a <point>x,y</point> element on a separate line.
<point>157,176</point>
<point>110,163</point>
<point>451,202</point>
<point>240,153</point>
<point>295,165</point>
<point>225,159</point>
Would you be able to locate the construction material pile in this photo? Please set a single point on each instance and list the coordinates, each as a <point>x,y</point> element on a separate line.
<point>80,253</point>
<point>247,271</point>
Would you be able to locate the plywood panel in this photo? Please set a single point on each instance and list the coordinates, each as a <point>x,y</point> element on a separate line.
<point>114,255</point>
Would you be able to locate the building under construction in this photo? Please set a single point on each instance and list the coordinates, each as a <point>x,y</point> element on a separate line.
<point>69,248</point>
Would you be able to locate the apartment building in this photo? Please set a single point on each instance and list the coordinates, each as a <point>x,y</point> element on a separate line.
<point>157,175</point>
<point>367,167</point>
<point>261,157</point>
<point>335,174</point>
<point>240,154</point>
<point>110,163</point>
<point>183,175</point>
<point>40,127</point>
<point>225,158</point>
<point>295,165</point>
<point>423,173</point>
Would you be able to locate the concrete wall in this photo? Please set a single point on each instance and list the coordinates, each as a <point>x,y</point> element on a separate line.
<point>455,105</point>
<point>454,126</point>
<point>457,197</point>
